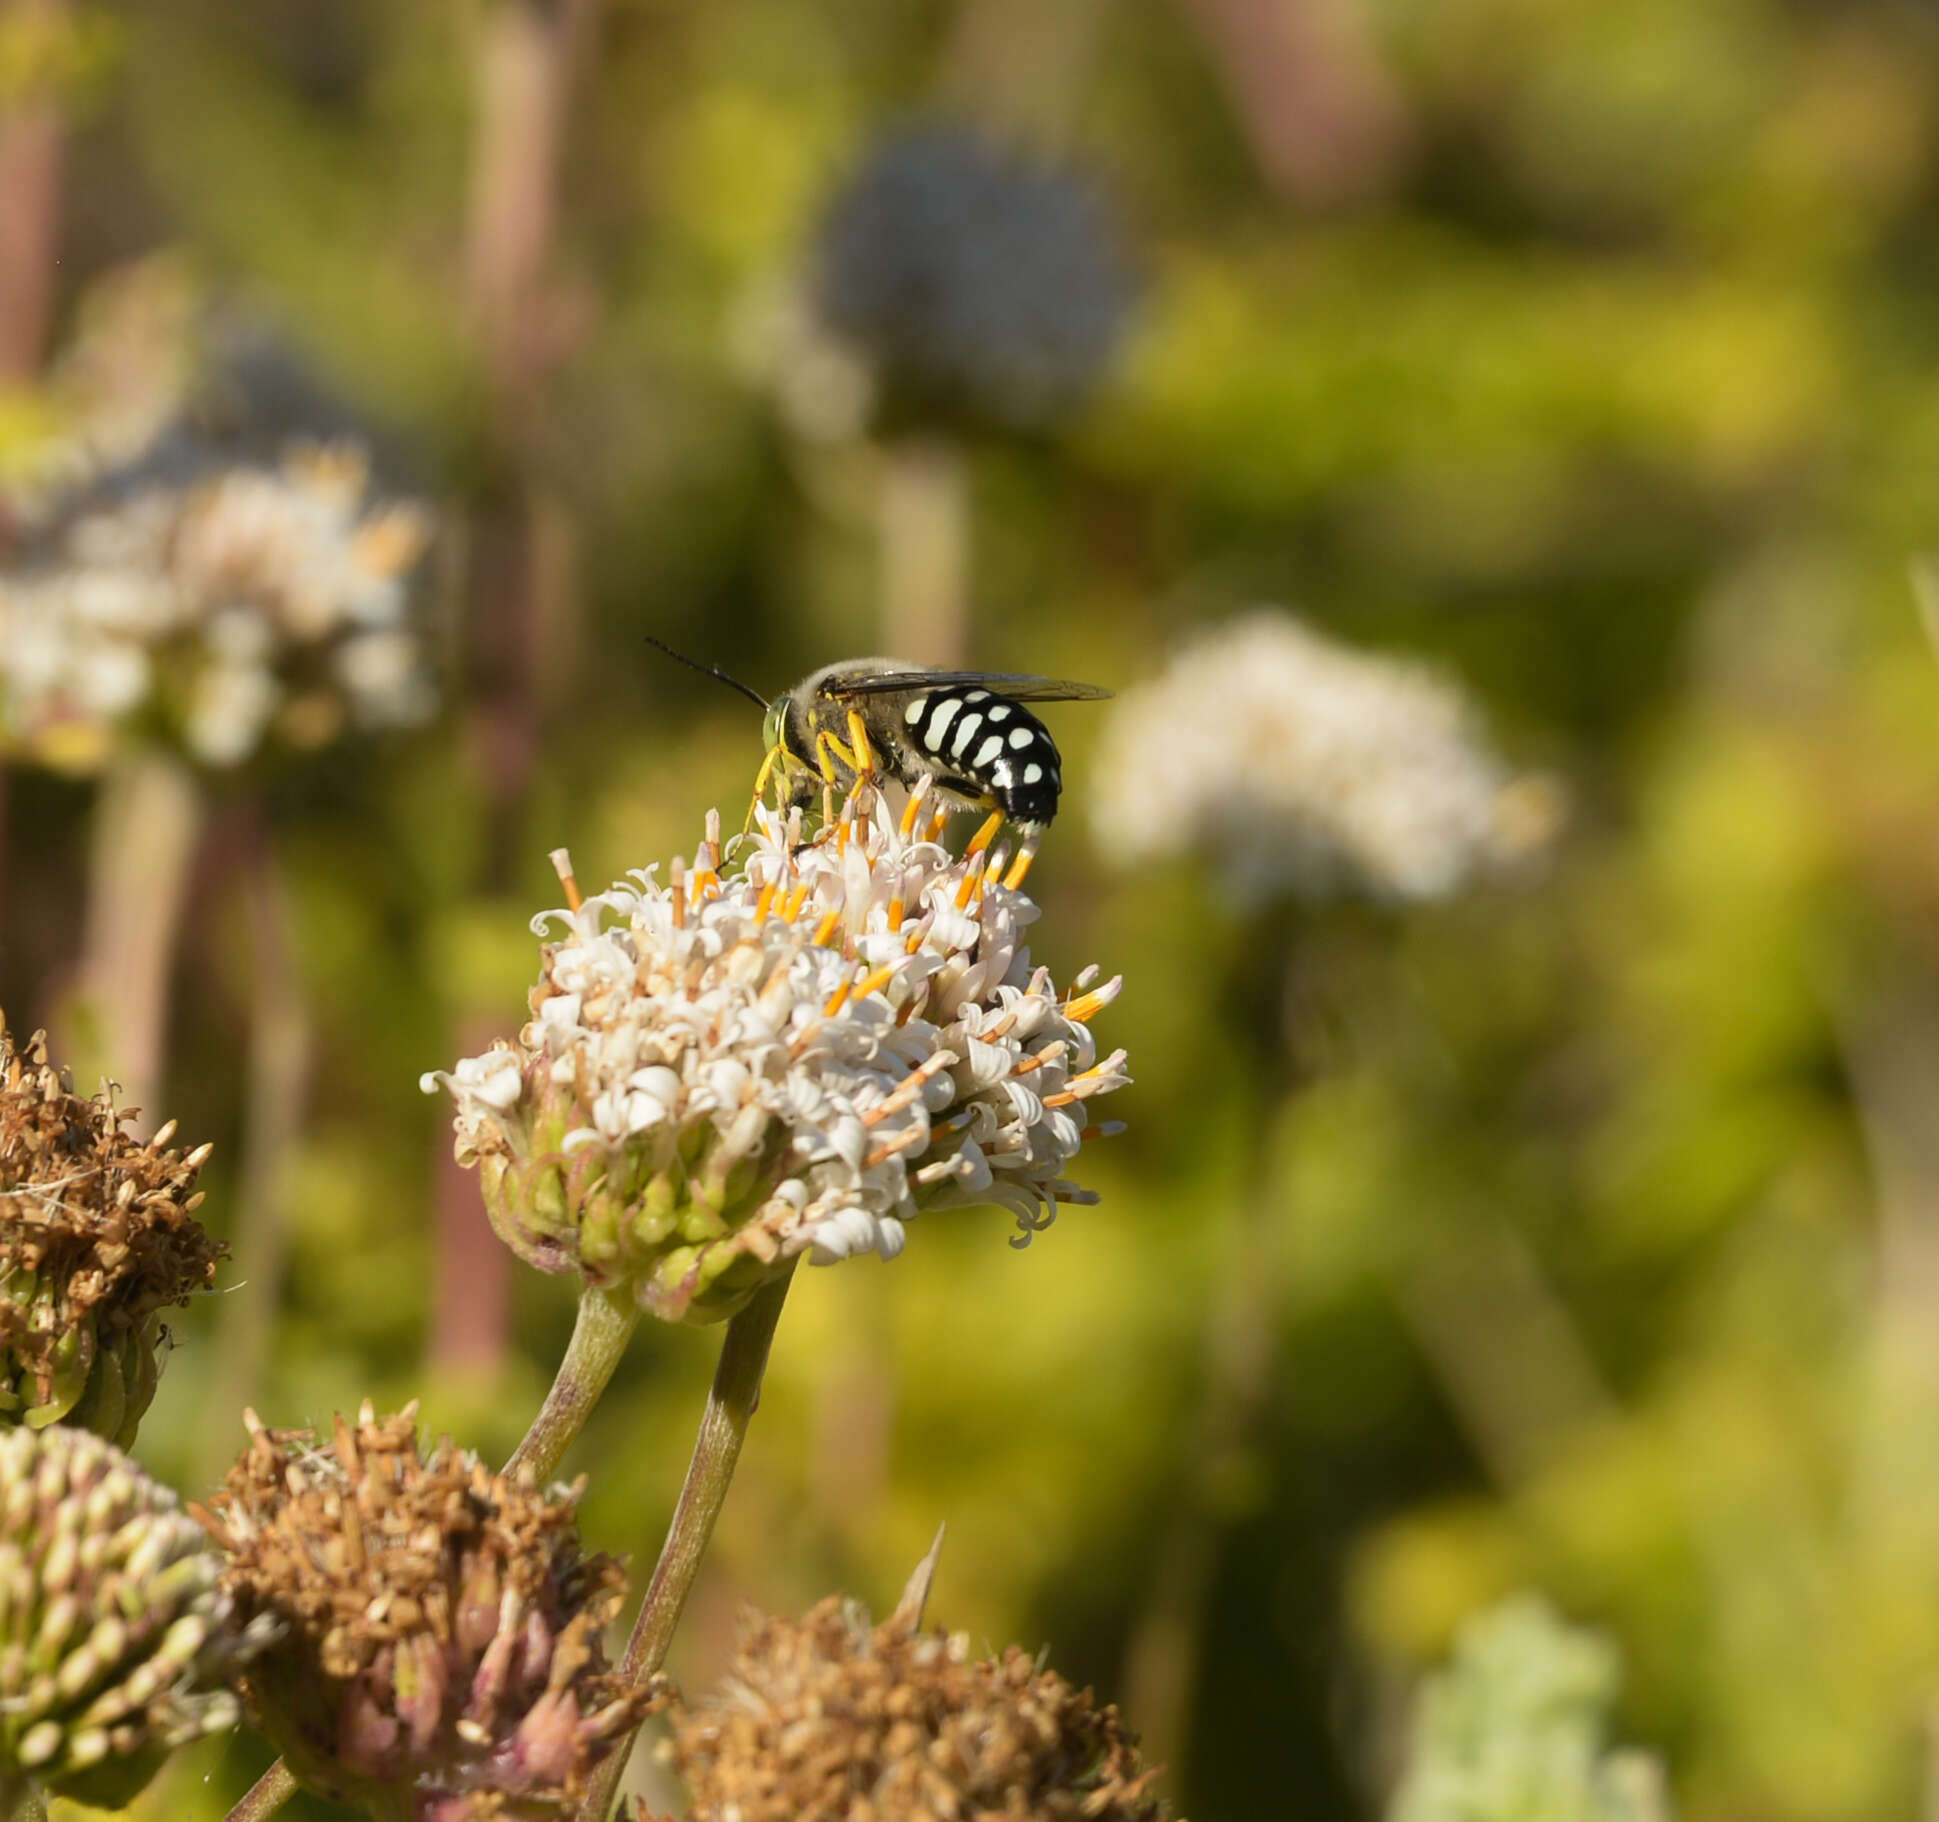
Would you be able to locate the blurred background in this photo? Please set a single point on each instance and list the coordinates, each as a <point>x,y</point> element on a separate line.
<point>1567,1224</point>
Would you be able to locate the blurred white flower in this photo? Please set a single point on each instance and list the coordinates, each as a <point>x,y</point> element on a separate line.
<point>211,609</point>
<point>799,1055</point>
<point>1298,765</point>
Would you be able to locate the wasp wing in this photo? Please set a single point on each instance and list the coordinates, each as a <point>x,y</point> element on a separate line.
<point>1017,685</point>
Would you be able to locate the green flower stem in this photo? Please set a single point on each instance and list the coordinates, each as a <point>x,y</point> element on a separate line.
<point>266,1796</point>
<point>723,1428</point>
<point>607,1319</point>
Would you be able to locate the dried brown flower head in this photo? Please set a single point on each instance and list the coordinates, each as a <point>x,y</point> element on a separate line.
<point>97,1237</point>
<point>441,1659</point>
<point>830,1717</point>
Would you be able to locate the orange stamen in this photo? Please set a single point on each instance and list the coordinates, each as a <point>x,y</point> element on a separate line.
<point>1020,866</point>
<point>875,982</point>
<point>906,1090</point>
<point>1087,1005</point>
<point>765,903</point>
<point>562,865</point>
<point>985,835</point>
<point>677,881</point>
<point>889,1147</point>
<point>825,930</point>
<point>972,884</point>
<point>839,998</point>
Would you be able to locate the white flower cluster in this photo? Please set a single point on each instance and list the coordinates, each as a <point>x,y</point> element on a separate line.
<point>257,601</point>
<point>725,1071</point>
<point>1301,766</point>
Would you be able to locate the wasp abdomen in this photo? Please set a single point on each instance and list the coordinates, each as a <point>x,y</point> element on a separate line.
<point>1002,750</point>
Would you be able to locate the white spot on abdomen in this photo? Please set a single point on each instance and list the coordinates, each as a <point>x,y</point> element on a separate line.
<point>932,735</point>
<point>1033,774</point>
<point>915,711</point>
<point>966,731</point>
<point>1021,738</point>
<point>987,752</point>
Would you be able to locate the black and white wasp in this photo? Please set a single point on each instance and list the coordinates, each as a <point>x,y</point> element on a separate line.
<point>967,730</point>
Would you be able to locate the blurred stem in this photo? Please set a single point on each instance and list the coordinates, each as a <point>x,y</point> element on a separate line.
<point>472,1274</point>
<point>1504,1346</point>
<point>266,1796</point>
<point>520,546</point>
<point>1324,117</point>
<point>1161,1660</point>
<point>605,1324</point>
<point>30,209</point>
<point>1890,1043</point>
<point>21,1802</point>
<point>146,821</point>
<point>1021,66</point>
<point>924,538</point>
<point>731,1405</point>
<point>278,1074</point>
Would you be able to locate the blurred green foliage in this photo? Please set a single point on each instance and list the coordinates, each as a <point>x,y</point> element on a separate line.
<point>1604,1226</point>
<point>1515,1728</point>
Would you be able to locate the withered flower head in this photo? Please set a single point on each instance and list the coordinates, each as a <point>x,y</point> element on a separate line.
<point>113,1630</point>
<point>97,1237</point>
<point>440,1658</point>
<point>794,1052</point>
<point>833,1717</point>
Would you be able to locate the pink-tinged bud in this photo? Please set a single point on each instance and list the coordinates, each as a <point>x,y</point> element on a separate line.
<point>441,1656</point>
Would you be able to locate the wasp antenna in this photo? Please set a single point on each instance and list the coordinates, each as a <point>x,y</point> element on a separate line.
<point>711,670</point>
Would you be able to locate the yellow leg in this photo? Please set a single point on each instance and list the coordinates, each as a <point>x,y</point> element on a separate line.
<point>858,735</point>
<point>760,784</point>
<point>829,752</point>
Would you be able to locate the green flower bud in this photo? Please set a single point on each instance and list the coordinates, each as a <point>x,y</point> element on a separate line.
<point>97,1237</point>
<point>113,1630</point>
<point>440,1657</point>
